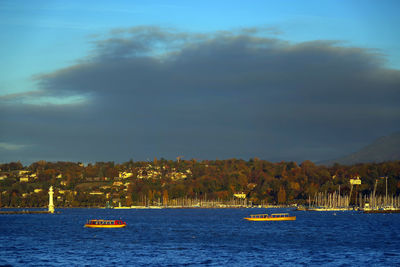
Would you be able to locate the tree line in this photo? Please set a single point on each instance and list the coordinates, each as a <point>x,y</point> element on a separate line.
<point>261,181</point>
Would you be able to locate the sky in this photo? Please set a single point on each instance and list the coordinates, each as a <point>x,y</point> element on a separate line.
<point>286,80</point>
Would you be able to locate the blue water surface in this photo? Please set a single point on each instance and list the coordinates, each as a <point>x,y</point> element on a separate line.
<point>200,237</point>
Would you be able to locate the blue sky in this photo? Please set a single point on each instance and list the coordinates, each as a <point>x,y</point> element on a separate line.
<point>42,38</point>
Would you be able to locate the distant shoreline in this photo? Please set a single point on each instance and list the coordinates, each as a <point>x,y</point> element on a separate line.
<point>39,210</point>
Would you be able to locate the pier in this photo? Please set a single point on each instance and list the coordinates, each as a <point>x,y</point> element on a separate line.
<point>26,212</point>
<point>49,211</point>
<point>383,211</point>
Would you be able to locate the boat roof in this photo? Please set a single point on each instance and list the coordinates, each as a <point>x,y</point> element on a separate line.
<point>101,220</point>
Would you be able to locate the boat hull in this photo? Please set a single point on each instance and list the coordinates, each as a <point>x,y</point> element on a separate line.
<point>104,226</point>
<point>292,218</point>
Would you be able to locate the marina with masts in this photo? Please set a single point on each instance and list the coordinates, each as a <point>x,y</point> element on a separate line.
<point>371,203</point>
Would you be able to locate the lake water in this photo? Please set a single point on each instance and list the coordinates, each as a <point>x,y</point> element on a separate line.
<point>200,237</point>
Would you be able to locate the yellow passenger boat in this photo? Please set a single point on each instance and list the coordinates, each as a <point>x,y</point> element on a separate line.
<point>105,224</point>
<point>270,217</point>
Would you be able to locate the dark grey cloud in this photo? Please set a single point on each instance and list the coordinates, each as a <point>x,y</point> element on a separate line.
<point>159,92</point>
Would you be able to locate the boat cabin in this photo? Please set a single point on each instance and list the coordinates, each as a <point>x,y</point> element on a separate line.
<point>106,222</point>
<point>276,215</point>
<point>272,217</point>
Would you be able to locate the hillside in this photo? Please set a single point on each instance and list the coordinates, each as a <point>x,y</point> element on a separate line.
<point>386,148</point>
<point>184,182</point>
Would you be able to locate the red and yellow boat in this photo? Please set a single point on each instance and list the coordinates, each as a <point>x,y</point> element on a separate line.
<point>105,224</point>
<point>271,217</point>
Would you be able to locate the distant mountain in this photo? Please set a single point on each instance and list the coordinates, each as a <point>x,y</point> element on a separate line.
<point>383,149</point>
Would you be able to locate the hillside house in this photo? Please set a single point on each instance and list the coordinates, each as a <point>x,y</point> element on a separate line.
<point>240,195</point>
<point>22,172</point>
<point>118,183</point>
<point>125,175</point>
<point>96,193</point>
<point>24,179</point>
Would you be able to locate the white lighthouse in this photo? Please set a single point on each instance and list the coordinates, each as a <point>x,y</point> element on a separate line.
<point>51,205</point>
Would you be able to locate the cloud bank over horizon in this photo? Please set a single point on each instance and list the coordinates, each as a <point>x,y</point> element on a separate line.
<point>147,92</point>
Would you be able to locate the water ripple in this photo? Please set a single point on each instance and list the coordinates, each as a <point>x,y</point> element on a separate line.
<point>200,237</point>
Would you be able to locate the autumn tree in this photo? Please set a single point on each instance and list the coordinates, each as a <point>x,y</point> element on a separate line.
<point>282,195</point>
<point>165,197</point>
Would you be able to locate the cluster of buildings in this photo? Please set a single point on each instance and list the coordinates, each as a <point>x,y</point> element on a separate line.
<point>104,187</point>
<point>22,175</point>
<point>156,172</point>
